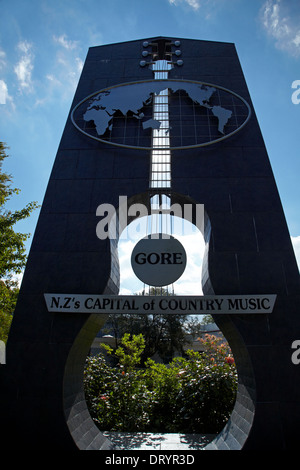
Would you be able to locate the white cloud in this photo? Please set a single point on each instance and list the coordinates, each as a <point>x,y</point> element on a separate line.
<point>2,59</point>
<point>68,66</point>
<point>195,4</point>
<point>5,98</point>
<point>64,42</point>
<point>25,47</point>
<point>296,39</point>
<point>71,69</point>
<point>190,281</point>
<point>296,245</point>
<point>79,64</point>
<point>53,79</point>
<point>23,69</point>
<point>129,284</point>
<point>281,22</point>
<point>3,92</point>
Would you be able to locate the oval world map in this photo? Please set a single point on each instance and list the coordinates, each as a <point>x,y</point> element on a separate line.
<point>198,114</point>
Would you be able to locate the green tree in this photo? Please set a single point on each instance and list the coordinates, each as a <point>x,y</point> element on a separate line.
<point>12,247</point>
<point>206,319</point>
<point>163,334</point>
<point>8,297</point>
<point>129,352</point>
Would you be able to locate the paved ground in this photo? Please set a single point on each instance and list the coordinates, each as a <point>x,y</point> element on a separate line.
<point>156,441</point>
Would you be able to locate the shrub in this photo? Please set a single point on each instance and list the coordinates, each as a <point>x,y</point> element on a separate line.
<point>117,397</point>
<point>164,384</point>
<point>207,394</point>
<point>193,394</point>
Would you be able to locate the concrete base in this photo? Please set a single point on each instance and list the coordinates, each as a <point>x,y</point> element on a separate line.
<point>158,441</point>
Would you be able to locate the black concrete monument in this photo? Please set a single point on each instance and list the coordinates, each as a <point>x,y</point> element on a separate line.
<point>156,117</point>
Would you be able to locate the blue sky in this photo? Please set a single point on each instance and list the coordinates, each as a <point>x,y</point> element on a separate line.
<point>43,45</point>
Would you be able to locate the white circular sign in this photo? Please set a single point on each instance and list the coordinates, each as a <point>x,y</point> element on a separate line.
<point>158,260</point>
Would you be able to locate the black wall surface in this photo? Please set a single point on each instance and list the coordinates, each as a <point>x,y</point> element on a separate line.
<point>41,399</point>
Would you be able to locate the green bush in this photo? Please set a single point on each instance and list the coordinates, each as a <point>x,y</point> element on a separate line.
<point>163,381</point>
<point>193,394</point>
<point>117,397</point>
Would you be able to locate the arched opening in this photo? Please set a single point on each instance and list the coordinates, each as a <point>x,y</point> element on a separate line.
<point>238,427</point>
